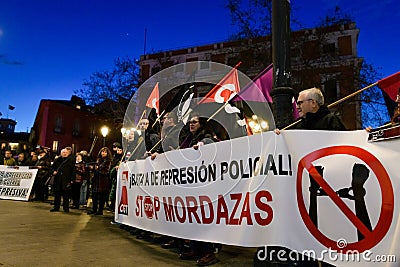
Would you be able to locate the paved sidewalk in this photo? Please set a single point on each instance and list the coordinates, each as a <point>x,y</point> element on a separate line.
<point>30,235</point>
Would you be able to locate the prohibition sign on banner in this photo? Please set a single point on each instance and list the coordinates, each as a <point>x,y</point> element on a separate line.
<point>386,212</point>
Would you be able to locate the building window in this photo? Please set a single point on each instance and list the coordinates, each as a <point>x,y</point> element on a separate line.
<point>55,146</point>
<point>155,69</point>
<point>145,71</point>
<point>58,124</point>
<point>345,46</point>
<point>330,90</point>
<point>76,127</point>
<point>310,50</point>
<point>329,49</point>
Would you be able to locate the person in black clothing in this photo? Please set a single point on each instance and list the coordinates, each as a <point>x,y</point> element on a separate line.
<point>44,171</point>
<point>314,116</point>
<point>84,196</point>
<point>170,134</point>
<point>151,138</point>
<point>64,172</point>
<point>32,159</point>
<point>142,141</point>
<point>21,160</point>
<point>117,158</point>
<point>132,145</point>
<point>198,135</point>
<point>149,141</point>
<point>80,170</point>
<point>100,181</point>
<point>203,252</point>
<point>170,140</point>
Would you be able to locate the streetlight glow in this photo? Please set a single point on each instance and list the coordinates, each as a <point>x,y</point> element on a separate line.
<point>104,132</point>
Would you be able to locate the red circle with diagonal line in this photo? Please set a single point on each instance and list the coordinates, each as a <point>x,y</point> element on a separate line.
<point>386,212</point>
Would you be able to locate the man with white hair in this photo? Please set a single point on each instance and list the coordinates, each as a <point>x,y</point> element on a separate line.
<point>315,115</point>
<point>64,172</point>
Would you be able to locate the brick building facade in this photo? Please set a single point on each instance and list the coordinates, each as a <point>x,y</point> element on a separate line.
<point>322,57</point>
<point>61,123</point>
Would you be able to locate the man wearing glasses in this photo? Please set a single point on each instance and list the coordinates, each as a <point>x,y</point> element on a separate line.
<point>315,115</point>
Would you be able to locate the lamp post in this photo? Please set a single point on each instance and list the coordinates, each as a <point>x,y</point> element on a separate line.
<point>282,93</point>
<point>104,132</point>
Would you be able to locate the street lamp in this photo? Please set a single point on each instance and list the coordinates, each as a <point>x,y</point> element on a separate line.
<point>104,132</point>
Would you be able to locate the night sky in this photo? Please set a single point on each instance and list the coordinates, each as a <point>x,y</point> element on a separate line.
<point>47,48</point>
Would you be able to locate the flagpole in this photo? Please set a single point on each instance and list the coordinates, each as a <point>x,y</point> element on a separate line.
<point>140,141</point>
<point>351,95</point>
<point>141,117</point>
<point>158,118</point>
<point>93,144</point>
<point>338,102</point>
<point>159,141</point>
<point>216,112</point>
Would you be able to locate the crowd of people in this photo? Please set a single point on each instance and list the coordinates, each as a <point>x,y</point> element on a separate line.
<point>150,141</point>
<point>73,175</point>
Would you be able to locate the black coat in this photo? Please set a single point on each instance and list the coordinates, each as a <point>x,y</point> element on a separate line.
<point>200,136</point>
<point>323,119</point>
<point>45,164</point>
<point>65,168</point>
<point>171,139</point>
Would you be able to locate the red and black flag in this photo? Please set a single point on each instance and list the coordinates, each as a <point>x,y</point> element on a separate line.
<point>390,87</point>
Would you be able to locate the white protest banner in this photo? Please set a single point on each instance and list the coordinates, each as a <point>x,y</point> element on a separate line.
<point>16,182</point>
<point>304,190</point>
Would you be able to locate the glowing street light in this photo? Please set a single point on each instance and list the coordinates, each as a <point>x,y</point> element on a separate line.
<point>104,132</point>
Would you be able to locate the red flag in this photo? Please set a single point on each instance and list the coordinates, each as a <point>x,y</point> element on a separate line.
<point>154,100</point>
<point>227,88</point>
<point>259,90</point>
<point>390,85</point>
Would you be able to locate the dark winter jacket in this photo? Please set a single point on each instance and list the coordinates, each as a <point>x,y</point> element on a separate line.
<point>116,160</point>
<point>100,178</point>
<point>200,136</point>
<point>45,164</point>
<point>171,139</point>
<point>323,119</point>
<point>65,172</point>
